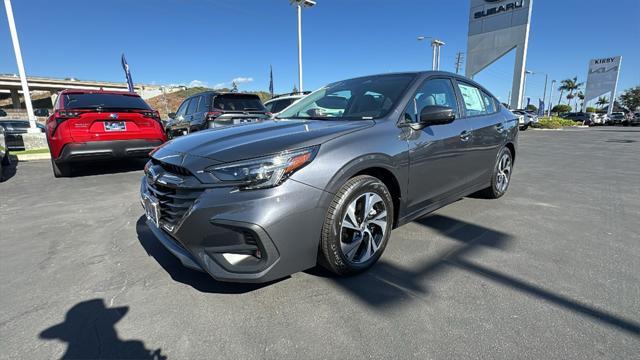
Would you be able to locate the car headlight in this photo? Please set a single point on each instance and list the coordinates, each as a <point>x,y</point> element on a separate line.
<point>263,172</point>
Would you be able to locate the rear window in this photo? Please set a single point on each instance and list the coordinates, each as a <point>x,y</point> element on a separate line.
<point>106,101</point>
<point>238,103</point>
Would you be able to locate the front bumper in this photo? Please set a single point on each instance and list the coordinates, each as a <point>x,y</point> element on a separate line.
<point>244,236</point>
<point>110,149</point>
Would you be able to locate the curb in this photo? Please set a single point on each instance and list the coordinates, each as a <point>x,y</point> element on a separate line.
<point>31,157</point>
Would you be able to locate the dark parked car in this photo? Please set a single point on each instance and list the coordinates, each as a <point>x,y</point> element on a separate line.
<point>212,109</point>
<point>585,118</point>
<point>258,202</point>
<point>4,154</point>
<point>3,113</point>
<point>41,112</point>
<point>14,130</point>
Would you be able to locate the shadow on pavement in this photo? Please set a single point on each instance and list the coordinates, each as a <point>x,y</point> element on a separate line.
<point>198,280</point>
<point>386,284</point>
<point>107,167</point>
<point>88,329</point>
<point>548,296</point>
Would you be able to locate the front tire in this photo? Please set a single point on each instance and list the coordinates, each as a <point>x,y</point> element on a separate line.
<point>61,169</point>
<point>357,226</point>
<point>501,177</point>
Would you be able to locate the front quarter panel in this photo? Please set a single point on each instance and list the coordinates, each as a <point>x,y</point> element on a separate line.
<point>380,146</point>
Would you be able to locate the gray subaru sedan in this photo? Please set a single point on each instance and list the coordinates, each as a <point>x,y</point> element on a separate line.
<point>327,180</point>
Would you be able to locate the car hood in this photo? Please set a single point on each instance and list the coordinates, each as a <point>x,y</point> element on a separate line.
<point>262,138</point>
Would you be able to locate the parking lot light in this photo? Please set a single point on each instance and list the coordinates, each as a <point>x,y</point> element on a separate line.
<point>299,4</point>
<point>23,75</point>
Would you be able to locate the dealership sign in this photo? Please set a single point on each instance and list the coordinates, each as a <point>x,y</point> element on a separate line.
<point>497,27</point>
<point>602,78</point>
<point>498,9</point>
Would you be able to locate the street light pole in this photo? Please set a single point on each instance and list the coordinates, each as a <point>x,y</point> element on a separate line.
<point>300,48</point>
<point>21,72</point>
<point>550,94</point>
<point>435,56</point>
<point>524,88</point>
<point>299,5</point>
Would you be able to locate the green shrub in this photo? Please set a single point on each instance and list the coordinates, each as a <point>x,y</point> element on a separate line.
<point>554,123</point>
<point>591,109</point>
<point>562,108</point>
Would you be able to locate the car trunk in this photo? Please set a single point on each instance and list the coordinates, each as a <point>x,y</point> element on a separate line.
<point>237,109</point>
<point>114,125</point>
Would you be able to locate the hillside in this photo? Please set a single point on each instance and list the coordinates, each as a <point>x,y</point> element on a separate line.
<point>174,100</point>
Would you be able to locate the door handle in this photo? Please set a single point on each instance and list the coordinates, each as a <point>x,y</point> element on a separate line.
<point>500,127</point>
<point>465,135</point>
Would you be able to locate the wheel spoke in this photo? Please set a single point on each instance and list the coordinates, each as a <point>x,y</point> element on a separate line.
<point>349,250</point>
<point>350,219</point>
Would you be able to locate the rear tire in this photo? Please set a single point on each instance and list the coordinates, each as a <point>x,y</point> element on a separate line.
<point>357,226</point>
<point>501,172</point>
<point>61,169</point>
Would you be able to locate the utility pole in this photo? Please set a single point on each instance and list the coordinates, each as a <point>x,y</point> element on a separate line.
<point>459,59</point>
<point>21,72</point>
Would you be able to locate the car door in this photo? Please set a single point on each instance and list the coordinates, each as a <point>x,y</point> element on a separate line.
<point>488,131</point>
<point>437,153</point>
<point>177,125</point>
<point>198,120</point>
<point>191,112</point>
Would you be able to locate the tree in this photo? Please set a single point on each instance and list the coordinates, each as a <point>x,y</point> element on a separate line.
<point>602,101</point>
<point>561,108</point>
<point>569,85</point>
<point>234,86</point>
<point>631,98</point>
<point>295,89</point>
<point>591,109</point>
<point>532,107</point>
<point>581,97</point>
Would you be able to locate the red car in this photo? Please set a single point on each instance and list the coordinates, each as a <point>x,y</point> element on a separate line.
<point>89,125</point>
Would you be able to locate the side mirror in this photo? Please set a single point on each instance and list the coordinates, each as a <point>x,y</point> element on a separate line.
<point>434,115</point>
<point>172,115</point>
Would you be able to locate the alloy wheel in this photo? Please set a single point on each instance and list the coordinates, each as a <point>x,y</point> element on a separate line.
<point>363,227</point>
<point>504,172</point>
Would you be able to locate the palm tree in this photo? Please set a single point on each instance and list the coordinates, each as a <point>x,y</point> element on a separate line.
<point>602,101</point>
<point>581,97</point>
<point>564,87</point>
<point>569,85</point>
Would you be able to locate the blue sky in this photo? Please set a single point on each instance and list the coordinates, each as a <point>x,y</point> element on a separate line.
<point>215,41</point>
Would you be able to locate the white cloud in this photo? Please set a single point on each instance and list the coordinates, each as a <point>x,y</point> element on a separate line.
<point>219,85</point>
<point>242,80</point>
<point>197,83</point>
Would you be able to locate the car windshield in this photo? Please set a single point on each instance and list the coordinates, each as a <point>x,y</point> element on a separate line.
<point>233,102</point>
<point>356,99</point>
<point>104,101</point>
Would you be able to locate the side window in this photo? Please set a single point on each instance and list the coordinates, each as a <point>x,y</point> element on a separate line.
<point>183,108</point>
<point>193,105</point>
<point>281,105</point>
<point>269,106</point>
<point>431,92</point>
<point>205,103</point>
<point>489,103</point>
<point>472,99</point>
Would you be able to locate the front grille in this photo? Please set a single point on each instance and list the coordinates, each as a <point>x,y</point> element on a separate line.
<point>174,169</point>
<point>174,203</point>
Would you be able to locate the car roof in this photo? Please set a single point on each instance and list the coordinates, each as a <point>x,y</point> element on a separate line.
<point>286,97</point>
<point>91,91</point>
<point>213,92</point>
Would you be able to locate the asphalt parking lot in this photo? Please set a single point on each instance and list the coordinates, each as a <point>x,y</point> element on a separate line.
<point>551,270</point>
